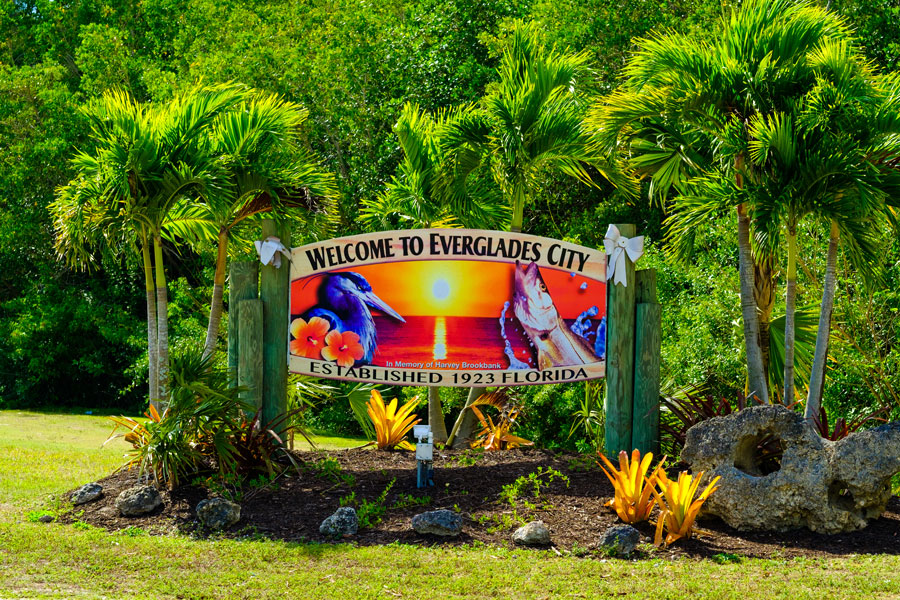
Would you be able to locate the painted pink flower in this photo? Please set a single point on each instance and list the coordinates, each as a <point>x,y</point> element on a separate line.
<point>343,348</point>
<point>309,338</point>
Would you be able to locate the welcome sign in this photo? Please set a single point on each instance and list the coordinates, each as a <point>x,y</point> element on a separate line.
<point>448,307</point>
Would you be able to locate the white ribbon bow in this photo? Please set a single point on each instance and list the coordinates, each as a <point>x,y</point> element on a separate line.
<point>270,251</point>
<point>617,247</point>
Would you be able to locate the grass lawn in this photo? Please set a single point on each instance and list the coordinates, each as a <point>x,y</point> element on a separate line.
<point>48,454</point>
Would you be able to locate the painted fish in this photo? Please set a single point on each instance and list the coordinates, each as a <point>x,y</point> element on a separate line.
<point>556,346</point>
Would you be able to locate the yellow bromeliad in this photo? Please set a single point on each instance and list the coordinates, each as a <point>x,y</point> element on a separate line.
<point>677,505</point>
<point>391,425</point>
<point>632,500</point>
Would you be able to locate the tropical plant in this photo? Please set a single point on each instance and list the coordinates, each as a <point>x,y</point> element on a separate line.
<point>685,407</point>
<point>159,448</point>
<point>145,160</point>
<point>497,436</point>
<point>805,319</point>
<point>678,507</point>
<point>820,157</point>
<point>688,406</point>
<point>356,397</point>
<point>530,121</point>
<point>205,426</point>
<point>590,417</point>
<point>633,500</point>
<point>842,427</point>
<point>264,170</point>
<point>415,196</point>
<point>391,425</point>
<point>685,116</point>
<point>254,446</point>
<point>137,433</point>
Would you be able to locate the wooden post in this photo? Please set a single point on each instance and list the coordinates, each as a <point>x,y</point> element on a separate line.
<point>243,284</point>
<point>250,360</point>
<point>620,357</point>
<point>647,343</point>
<point>274,289</point>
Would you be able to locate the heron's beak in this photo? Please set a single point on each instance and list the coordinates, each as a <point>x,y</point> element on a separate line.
<point>377,303</point>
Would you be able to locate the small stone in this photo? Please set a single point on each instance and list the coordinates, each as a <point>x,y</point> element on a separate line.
<point>86,493</point>
<point>532,534</point>
<point>218,513</point>
<point>138,500</point>
<point>108,512</point>
<point>621,539</point>
<point>343,522</point>
<point>46,519</point>
<point>438,522</point>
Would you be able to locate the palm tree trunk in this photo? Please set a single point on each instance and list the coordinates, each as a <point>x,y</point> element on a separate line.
<point>817,378</point>
<point>436,415</point>
<point>152,350</point>
<point>756,376</point>
<point>518,206</point>
<point>790,313</point>
<point>764,295</point>
<point>465,422</point>
<point>215,307</point>
<point>162,320</point>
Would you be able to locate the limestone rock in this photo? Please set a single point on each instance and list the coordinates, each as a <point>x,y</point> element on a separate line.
<point>218,513</point>
<point>438,522</point>
<point>532,534</point>
<point>826,486</point>
<point>86,493</point>
<point>621,539</point>
<point>108,512</point>
<point>343,522</point>
<point>138,500</point>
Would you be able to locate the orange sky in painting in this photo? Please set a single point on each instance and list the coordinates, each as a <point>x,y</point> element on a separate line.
<point>457,288</point>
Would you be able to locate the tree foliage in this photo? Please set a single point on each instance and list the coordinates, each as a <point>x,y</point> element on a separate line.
<point>355,67</point>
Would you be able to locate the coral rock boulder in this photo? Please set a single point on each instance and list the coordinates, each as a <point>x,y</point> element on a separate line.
<point>826,486</point>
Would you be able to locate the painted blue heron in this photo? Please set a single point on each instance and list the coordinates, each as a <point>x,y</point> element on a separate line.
<point>344,301</point>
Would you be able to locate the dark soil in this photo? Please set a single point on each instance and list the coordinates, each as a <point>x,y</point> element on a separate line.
<point>471,483</point>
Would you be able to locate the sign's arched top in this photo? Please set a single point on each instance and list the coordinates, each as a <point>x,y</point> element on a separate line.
<point>448,307</point>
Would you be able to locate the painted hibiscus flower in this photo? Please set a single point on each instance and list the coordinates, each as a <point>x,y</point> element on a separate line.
<point>309,338</point>
<point>343,347</point>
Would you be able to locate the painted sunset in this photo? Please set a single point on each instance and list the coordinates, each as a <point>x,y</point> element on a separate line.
<point>446,314</point>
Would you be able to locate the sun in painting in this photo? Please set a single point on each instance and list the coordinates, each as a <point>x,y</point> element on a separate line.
<point>440,289</point>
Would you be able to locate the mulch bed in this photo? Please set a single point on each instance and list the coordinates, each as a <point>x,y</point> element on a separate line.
<point>470,483</point>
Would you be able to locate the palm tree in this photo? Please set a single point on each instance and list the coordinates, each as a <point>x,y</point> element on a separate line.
<point>263,170</point>
<point>531,121</point>
<point>144,160</point>
<point>419,195</point>
<point>684,112</point>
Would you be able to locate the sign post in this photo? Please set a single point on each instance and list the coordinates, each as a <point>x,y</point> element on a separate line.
<point>273,289</point>
<point>620,358</point>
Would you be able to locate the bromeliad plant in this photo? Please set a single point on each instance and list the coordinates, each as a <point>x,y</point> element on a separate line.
<point>677,505</point>
<point>842,427</point>
<point>498,436</point>
<point>391,425</point>
<point>633,499</point>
